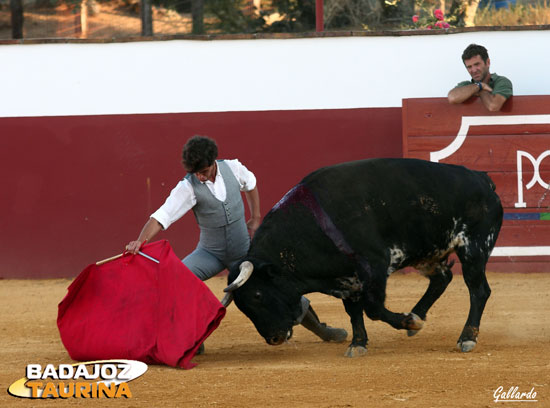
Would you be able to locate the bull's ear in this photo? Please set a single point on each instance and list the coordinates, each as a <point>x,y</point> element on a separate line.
<point>270,270</point>
<point>264,269</point>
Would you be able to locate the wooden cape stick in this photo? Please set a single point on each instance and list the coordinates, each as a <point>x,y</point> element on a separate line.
<point>122,254</point>
<point>109,259</point>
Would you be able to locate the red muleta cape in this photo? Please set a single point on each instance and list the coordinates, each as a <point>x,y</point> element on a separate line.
<point>133,308</point>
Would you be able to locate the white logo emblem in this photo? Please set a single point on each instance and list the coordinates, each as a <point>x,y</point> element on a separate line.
<point>536,175</point>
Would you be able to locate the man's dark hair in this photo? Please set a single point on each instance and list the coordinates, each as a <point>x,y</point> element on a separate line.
<point>198,153</point>
<point>472,50</point>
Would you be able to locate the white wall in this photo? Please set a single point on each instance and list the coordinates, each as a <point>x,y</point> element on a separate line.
<point>244,75</point>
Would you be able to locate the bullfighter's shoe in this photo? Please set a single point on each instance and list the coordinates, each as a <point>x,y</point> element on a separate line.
<point>327,333</point>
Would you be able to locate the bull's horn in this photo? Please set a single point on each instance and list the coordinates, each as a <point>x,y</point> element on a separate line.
<point>246,269</point>
<point>227,299</point>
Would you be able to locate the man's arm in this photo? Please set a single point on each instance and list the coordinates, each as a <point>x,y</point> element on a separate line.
<point>253,200</point>
<point>150,229</point>
<point>493,102</point>
<point>179,202</point>
<point>462,93</point>
<point>495,97</point>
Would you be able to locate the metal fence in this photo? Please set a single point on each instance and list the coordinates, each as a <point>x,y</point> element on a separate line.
<point>120,19</point>
<point>88,19</point>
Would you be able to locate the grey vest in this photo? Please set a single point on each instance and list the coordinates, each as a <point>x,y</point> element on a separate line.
<point>211,212</point>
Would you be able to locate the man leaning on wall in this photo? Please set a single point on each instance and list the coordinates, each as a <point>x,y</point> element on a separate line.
<point>492,89</point>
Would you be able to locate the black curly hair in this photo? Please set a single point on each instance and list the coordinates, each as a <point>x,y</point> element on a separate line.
<point>472,50</point>
<point>198,153</point>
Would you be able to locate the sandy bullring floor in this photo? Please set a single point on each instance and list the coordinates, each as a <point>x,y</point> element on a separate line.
<point>240,370</point>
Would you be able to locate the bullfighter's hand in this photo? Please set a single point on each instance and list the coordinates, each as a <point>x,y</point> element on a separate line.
<point>133,247</point>
<point>252,225</point>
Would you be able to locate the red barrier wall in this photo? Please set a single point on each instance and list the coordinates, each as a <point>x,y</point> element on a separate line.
<point>511,146</point>
<point>76,189</point>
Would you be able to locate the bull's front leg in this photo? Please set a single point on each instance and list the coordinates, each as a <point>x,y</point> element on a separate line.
<point>358,346</point>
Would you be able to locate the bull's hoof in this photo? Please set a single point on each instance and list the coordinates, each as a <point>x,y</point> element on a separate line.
<point>355,351</point>
<point>412,323</point>
<point>468,339</point>
<point>411,333</point>
<point>466,345</point>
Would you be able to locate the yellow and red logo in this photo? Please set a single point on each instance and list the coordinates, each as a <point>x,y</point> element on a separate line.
<point>91,379</point>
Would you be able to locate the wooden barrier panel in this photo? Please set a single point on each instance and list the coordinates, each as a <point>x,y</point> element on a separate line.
<point>512,146</point>
<point>77,189</point>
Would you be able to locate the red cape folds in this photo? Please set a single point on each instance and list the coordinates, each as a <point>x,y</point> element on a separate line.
<point>133,308</point>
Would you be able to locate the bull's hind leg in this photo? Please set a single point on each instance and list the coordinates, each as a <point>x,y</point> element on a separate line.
<point>473,269</point>
<point>439,280</point>
<point>358,346</point>
<point>374,298</point>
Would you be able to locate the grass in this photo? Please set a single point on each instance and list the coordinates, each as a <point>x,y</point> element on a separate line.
<point>520,14</point>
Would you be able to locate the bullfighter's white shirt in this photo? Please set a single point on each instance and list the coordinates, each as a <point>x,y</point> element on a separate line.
<point>182,197</point>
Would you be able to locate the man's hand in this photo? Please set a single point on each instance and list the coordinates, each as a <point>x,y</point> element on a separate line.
<point>253,199</point>
<point>485,87</point>
<point>133,247</point>
<point>492,102</point>
<point>253,224</point>
<point>150,229</point>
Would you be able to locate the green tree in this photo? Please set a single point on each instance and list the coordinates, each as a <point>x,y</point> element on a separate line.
<point>397,12</point>
<point>233,18</point>
<point>352,14</point>
<point>298,16</point>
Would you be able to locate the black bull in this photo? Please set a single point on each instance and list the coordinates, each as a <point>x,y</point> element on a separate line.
<point>344,229</point>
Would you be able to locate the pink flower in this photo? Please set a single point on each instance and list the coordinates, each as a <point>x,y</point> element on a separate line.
<point>439,24</point>
<point>415,19</point>
<point>438,14</point>
<point>446,25</point>
<point>429,27</point>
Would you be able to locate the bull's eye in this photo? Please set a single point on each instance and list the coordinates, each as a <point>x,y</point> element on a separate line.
<point>258,295</point>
